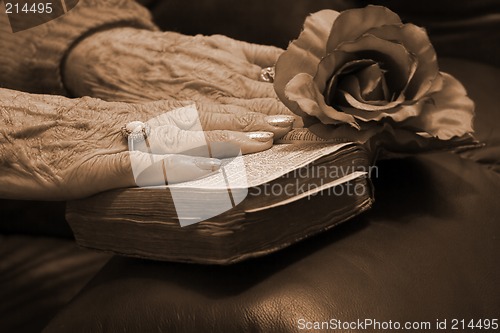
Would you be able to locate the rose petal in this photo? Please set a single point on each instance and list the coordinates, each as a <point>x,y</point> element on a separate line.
<point>451,113</point>
<point>398,140</point>
<point>331,65</point>
<point>373,106</point>
<point>416,41</point>
<point>351,24</point>
<point>437,84</point>
<point>304,54</point>
<point>339,64</point>
<point>350,83</point>
<point>392,56</point>
<point>398,113</point>
<point>344,133</point>
<point>303,91</point>
<point>371,81</point>
<point>368,82</point>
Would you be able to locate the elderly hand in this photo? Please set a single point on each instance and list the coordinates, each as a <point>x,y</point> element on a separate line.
<point>127,64</point>
<point>54,148</point>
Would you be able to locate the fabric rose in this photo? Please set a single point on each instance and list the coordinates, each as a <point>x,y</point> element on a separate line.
<point>357,73</point>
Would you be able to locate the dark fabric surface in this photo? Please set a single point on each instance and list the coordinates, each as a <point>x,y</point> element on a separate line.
<point>429,249</point>
<point>34,218</point>
<point>467,29</point>
<point>260,21</point>
<point>38,276</point>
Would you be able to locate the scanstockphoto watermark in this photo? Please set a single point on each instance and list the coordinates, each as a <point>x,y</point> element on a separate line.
<point>371,324</point>
<point>362,324</point>
<point>319,180</point>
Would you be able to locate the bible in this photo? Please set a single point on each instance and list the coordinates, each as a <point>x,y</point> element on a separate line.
<point>254,205</point>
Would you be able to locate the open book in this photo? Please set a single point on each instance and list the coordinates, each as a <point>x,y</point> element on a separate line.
<point>255,204</point>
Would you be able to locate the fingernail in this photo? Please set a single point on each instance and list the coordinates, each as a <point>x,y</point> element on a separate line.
<point>280,120</point>
<point>211,164</point>
<point>260,136</point>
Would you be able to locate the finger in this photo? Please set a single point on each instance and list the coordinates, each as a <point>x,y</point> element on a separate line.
<point>223,61</point>
<point>229,143</point>
<point>211,107</point>
<point>216,82</point>
<point>247,122</point>
<point>170,139</point>
<point>228,53</point>
<point>261,55</point>
<point>228,44</point>
<point>218,143</point>
<point>232,82</point>
<point>252,88</point>
<point>185,117</point>
<point>265,106</point>
<point>208,117</point>
<point>269,106</point>
<point>189,117</point>
<point>248,70</point>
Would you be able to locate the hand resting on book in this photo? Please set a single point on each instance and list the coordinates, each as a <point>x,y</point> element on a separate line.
<point>55,148</point>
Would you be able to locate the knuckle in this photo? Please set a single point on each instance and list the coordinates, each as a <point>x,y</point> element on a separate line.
<point>216,94</point>
<point>123,161</point>
<point>245,121</point>
<point>220,38</point>
<point>209,120</point>
<point>234,109</point>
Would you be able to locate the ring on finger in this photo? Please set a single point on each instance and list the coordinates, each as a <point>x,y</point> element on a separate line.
<point>137,131</point>
<point>267,74</point>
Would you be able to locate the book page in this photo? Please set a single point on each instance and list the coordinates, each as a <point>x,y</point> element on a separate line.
<point>259,168</point>
<point>302,135</point>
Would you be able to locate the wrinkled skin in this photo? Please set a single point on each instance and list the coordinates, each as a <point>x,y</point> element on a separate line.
<point>55,148</point>
<point>132,65</point>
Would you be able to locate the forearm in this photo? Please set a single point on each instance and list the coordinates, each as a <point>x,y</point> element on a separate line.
<point>32,59</point>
